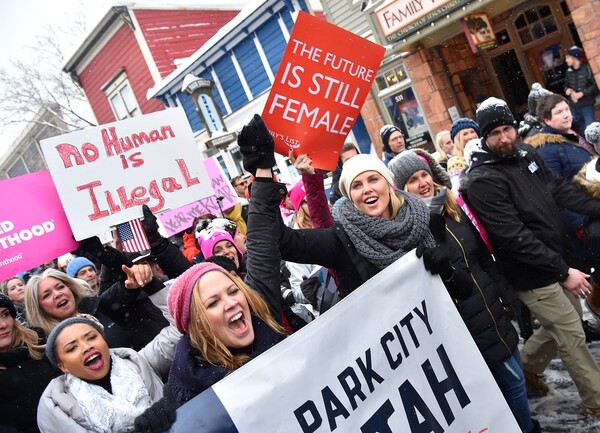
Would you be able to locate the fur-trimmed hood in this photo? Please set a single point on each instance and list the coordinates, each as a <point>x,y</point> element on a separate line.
<point>588,178</point>
<point>544,138</point>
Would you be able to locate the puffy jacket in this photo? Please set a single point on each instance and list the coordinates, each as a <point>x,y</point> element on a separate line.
<point>483,311</point>
<point>579,80</point>
<point>517,199</point>
<point>59,411</point>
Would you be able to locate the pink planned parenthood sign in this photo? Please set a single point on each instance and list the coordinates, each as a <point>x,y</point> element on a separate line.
<point>33,225</point>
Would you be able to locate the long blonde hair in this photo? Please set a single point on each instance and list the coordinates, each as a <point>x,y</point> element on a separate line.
<point>302,219</point>
<point>38,317</point>
<point>451,206</point>
<point>438,144</point>
<point>203,337</point>
<point>23,336</point>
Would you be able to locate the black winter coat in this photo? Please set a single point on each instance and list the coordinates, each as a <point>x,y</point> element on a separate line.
<point>483,311</point>
<point>579,80</point>
<point>21,385</point>
<point>517,200</point>
<point>190,374</point>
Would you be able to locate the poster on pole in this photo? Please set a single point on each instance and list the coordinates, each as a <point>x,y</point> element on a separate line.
<point>392,357</point>
<point>223,198</point>
<point>33,225</point>
<point>105,174</point>
<point>322,82</point>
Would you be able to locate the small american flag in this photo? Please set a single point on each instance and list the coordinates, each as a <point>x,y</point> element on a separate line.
<point>132,235</point>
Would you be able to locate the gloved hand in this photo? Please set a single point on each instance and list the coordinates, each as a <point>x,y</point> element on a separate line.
<point>90,248</point>
<point>151,228</point>
<point>256,145</point>
<point>310,287</point>
<point>436,261</point>
<point>158,417</point>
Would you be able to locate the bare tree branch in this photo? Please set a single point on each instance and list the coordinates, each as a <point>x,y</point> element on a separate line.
<point>35,81</point>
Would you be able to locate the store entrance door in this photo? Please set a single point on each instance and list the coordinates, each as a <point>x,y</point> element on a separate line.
<point>548,64</point>
<point>512,81</point>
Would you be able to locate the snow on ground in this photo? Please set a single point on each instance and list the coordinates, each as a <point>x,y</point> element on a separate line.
<point>560,411</point>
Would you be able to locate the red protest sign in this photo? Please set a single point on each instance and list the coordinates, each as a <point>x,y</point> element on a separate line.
<point>323,79</point>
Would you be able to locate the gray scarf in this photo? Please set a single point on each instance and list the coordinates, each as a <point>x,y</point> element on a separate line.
<point>383,241</point>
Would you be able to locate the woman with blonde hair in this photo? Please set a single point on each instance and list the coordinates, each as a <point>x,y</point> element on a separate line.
<point>225,321</point>
<point>24,373</point>
<point>482,291</point>
<point>54,296</point>
<point>444,148</point>
<point>463,130</point>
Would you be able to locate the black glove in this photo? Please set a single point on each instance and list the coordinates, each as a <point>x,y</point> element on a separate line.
<point>158,417</point>
<point>436,261</point>
<point>288,296</point>
<point>310,287</point>
<point>90,248</point>
<point>151,228</point>
<point>256,145</point>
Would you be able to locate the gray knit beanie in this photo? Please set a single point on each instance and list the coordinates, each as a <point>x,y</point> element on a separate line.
<point>592,135</point>
<point>405,165</point>
<point>51,342</point>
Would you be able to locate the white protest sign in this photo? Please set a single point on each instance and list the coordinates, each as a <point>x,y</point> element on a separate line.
<point>392,357</point>
<point>105,174</point>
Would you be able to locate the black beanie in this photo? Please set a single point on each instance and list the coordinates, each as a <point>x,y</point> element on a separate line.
<point>385,133</point>
<point>5,302</point>
<point>493,112</point>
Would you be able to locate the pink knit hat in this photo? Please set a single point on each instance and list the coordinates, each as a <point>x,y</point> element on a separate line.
<point>208,238</point>
<point>297,194</point>
<point>180,295</point>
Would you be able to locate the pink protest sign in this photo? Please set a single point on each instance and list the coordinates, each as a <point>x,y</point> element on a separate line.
<point>177,220</point>
<point>33,225</point>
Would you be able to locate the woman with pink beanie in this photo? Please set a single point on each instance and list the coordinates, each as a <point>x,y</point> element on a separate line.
<point>227,322</point>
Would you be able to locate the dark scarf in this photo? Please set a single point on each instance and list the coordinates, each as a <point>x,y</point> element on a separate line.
<point>190,374</point>
<point>383,241</point>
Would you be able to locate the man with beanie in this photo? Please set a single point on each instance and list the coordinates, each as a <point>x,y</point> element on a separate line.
<point>86,270</point>
<point>393,142</point>
<point>580,88</point>
<point>518,200</point>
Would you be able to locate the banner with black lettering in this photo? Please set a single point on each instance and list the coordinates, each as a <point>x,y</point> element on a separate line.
<point>393,357</point>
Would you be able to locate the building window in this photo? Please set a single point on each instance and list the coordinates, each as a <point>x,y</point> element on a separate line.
<point>535,23</point>
<point>121,97</point>
<point>391,77</point>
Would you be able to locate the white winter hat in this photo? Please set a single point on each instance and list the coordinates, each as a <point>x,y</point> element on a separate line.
<point>359,164</point>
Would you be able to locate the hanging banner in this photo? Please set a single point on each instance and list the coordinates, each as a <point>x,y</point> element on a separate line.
<point>479,32</point>
<point>402,18</point>
<point>105,174</point>
<point>324,77</point>
<point>392,357</point>
<point>33,225</point>
<point>223,198</point>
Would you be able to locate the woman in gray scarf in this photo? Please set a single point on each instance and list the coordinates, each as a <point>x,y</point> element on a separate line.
<point>376,225</point>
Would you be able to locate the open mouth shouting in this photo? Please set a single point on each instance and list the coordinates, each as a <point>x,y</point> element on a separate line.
<point>237,324</point>
<point>94,361</point>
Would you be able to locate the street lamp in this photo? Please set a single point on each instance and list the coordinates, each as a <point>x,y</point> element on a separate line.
<point>200,89</point>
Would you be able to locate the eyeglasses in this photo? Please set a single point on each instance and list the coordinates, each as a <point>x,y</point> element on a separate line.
<point>496,134</point>
<point>244,182</point>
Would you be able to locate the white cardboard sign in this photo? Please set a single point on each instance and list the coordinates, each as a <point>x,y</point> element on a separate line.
<point>105,174</point>
<point>392,357</point>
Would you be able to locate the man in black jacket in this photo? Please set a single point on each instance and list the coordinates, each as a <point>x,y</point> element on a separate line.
<point>517,199</point>
<point>581,88</point>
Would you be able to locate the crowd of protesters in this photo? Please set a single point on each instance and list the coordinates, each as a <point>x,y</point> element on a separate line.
<point>508,216</point>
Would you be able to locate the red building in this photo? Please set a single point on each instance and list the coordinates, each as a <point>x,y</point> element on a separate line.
<point>134,47</point>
